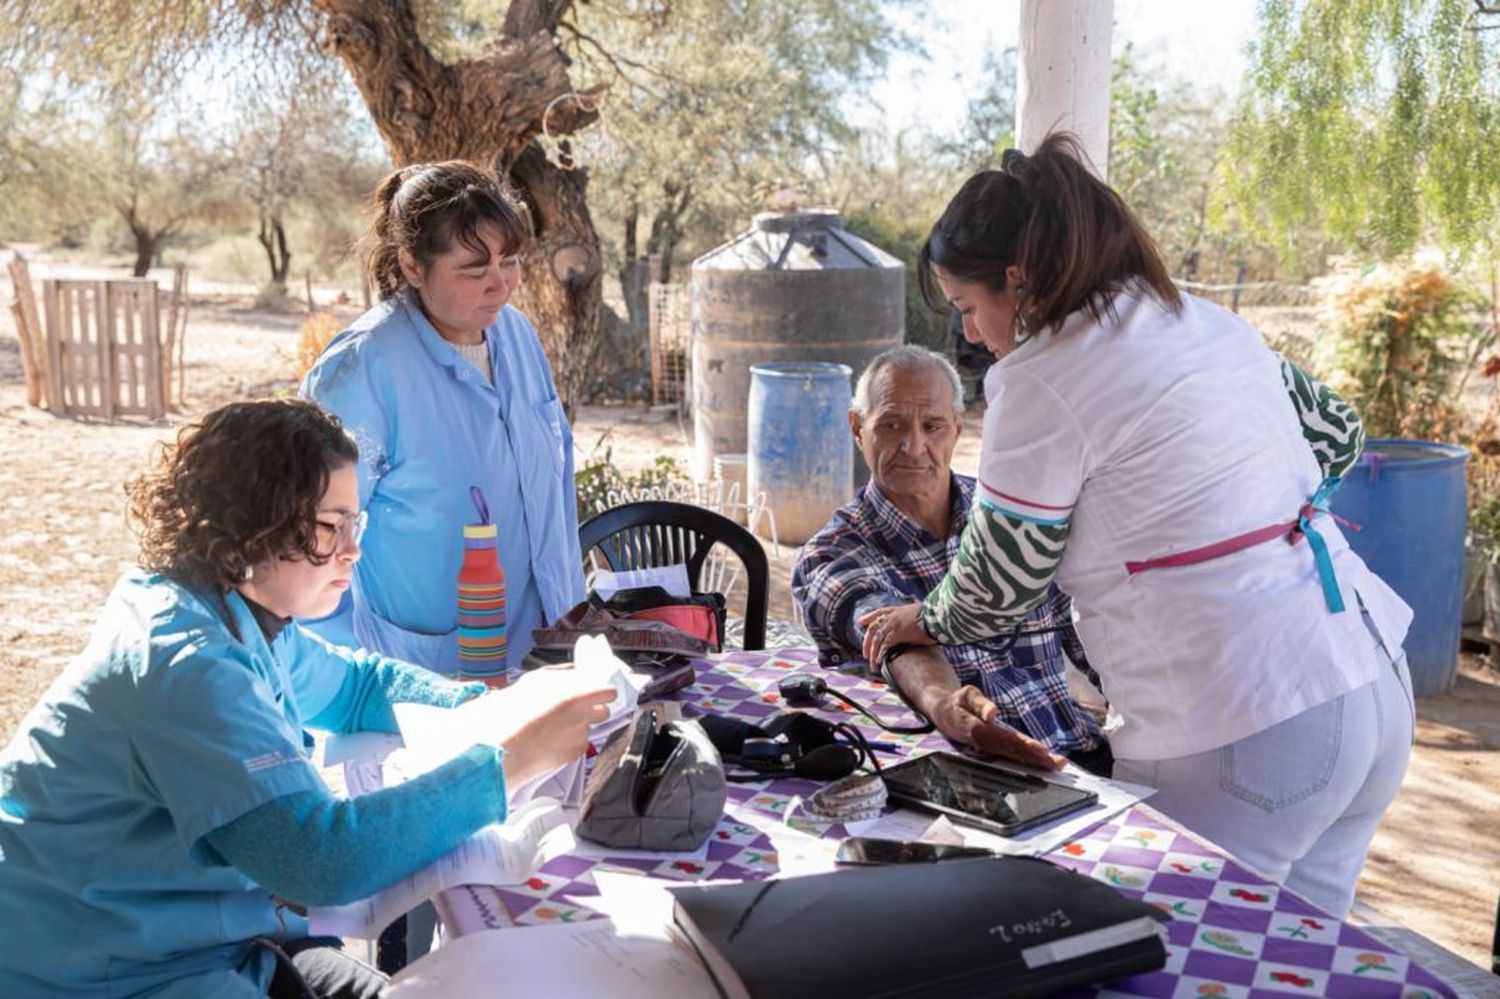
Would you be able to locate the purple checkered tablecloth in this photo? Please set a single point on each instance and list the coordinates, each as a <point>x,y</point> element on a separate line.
<point>1232,933</point>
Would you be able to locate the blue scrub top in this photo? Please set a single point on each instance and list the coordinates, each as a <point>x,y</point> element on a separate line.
<point>428,427</point>
<point>169,725</point>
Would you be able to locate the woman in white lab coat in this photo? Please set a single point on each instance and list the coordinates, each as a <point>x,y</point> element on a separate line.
<point>1146,451</point>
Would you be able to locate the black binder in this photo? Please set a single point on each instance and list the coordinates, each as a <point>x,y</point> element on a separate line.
<point>1004,926</point>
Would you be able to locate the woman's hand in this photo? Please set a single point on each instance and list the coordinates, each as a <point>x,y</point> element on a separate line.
<point>887,627</point>
<point>552,733</point>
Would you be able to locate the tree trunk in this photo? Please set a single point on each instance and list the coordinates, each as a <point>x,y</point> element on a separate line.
<point>145,252</point>
<point>562,279</point>
<point>666,225</point>
<point>147,244</point>
<point>272,237</point>
<point>489,110</point>
<point>633,277</point>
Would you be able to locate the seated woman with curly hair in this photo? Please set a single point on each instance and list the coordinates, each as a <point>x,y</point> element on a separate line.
<point>160,820</point>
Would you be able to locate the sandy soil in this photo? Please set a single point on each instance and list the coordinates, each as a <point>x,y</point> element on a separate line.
<point>1433,865</point>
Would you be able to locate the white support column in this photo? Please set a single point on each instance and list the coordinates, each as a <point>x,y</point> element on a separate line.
<point>1064,74</point>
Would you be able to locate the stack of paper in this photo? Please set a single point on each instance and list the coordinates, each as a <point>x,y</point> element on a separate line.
<point>496,855</point>
<point>431,736</point>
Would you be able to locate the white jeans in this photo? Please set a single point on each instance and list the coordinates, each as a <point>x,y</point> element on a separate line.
<point>1299,801</point>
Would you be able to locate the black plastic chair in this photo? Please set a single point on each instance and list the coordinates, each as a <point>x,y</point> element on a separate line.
<point>656,533</point>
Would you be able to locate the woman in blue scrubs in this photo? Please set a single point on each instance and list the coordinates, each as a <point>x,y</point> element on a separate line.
<point>445,387</point>
<point>161,824</point>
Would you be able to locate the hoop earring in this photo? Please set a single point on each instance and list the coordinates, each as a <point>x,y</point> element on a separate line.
<point>1022,328</point>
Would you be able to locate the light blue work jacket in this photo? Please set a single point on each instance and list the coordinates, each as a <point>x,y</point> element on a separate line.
<point>167,726</point>
<point>428,427</point>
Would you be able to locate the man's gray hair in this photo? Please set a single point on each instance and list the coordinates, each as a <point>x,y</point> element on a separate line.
<point>907,357</point>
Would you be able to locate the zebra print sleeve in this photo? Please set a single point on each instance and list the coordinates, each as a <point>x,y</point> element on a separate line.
<point>1001,573</point>
<point>1331,426</point>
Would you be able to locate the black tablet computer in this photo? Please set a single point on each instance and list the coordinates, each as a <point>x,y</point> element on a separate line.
<point>981,794</point>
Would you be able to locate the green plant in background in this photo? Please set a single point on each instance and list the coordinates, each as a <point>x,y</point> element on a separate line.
<point>599,477</point>
<point>902,235</point>
<point>1371,122</point>
<point>1397,341</point>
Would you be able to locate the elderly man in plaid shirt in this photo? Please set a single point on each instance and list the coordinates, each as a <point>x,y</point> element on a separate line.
<point>892,544</point>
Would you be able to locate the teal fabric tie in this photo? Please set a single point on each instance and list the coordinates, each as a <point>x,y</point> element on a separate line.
<point>1319,504</point>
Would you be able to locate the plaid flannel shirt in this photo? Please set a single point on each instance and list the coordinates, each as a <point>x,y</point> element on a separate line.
<point>872,554</point>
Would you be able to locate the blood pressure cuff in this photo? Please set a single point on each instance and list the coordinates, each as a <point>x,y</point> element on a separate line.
<point>654,787</point>
<point>790,744</point>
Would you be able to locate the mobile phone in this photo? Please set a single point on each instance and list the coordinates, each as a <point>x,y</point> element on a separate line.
<point>869,850</point>
<point>981,794</point>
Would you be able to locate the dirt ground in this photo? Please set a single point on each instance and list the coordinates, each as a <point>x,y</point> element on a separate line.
<point>1433,866</point>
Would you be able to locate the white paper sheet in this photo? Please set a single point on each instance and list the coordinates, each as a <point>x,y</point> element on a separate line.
<point>1114,798</point>
<point>637,904</point>
<point>672,578</point>
<point>431,736</point>
<point>564,961</point>
<point>797,852</point>
<point>496,855</point>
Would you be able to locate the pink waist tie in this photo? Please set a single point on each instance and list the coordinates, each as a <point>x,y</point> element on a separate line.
<point>1293,531</point>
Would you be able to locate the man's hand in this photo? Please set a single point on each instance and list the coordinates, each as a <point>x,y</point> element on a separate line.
<point>968,717</point>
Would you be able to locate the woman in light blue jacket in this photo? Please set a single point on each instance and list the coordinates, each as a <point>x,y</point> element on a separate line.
<point>444,387</point>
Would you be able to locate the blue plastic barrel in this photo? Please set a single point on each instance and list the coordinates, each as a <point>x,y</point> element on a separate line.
<point>801,453</point>
<point>1410,502</point>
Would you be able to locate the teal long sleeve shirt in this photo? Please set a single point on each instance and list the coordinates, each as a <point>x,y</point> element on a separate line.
<point>312,848</point>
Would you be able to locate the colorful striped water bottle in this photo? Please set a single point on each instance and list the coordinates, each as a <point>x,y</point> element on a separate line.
<point>481,601</point>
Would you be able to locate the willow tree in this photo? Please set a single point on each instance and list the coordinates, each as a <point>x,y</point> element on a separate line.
<point>1373,122</point>
<point>493,107</point>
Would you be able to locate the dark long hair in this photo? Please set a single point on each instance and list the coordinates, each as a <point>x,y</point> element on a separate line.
<point>1069,233</point>
<point>239,487</point>
<point>426,208</point>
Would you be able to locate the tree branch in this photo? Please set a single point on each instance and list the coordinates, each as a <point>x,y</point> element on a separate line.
<point>616,62</point>
<point>527,17</point>
<point>472,109</point>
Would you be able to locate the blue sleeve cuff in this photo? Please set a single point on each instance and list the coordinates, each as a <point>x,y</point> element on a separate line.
<point>312,848</point>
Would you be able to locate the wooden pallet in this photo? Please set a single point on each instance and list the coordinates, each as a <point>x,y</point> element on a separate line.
<point>104,348</point>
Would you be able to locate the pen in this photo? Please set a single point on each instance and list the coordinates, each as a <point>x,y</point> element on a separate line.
<point>889,747</point>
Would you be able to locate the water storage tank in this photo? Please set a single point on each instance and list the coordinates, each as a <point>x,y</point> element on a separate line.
<point>796,287</point>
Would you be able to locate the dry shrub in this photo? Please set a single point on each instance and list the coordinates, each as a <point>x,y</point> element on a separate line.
<point>1396,342</point>
<point>319,328</point>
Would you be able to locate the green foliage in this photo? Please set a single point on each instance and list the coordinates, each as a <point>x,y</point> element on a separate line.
<point>901,234</point>
<point>1370,121</point>
<point>1484,521</point>
<point>1396,341</point>
<point>710,103</point>
<point>1165,151</point>
<point>1166,142</point>
<point>989,125</point>
<point>600,482</point>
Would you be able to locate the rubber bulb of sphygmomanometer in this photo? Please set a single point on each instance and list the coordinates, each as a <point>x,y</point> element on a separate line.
<point>828,763</point>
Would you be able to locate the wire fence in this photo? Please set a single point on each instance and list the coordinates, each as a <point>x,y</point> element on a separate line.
<point>670,322</point>
<point>1252,294</point>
